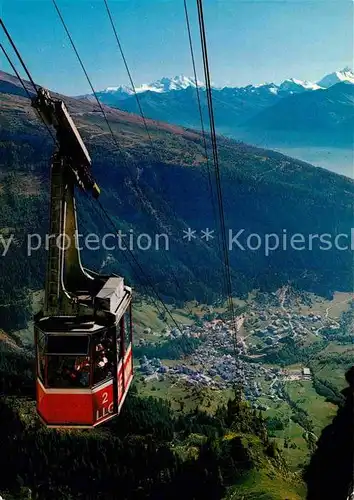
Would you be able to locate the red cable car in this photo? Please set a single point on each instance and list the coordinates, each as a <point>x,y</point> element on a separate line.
<point>84,365</point>
<point>84,334</point>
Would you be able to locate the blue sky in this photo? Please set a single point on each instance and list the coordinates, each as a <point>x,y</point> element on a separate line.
<point>249,41</point>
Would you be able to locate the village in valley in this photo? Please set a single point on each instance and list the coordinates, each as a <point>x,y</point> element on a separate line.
<point>236,352</point>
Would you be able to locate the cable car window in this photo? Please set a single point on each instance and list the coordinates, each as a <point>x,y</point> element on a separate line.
<point>68,344</point>
<point>127,330</point>
<point>104,354</point>
<point>121,346</point>
<point>68,371</point>
<point>41,354</point>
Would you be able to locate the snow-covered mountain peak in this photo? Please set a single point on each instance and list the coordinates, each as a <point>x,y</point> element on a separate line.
<point>294,85</point>
<point>160,86</point>
<point>124,89</point>
<point>345,75</point>
<point>165,84</point>
<point>289,86</point>
<point>261,87</point>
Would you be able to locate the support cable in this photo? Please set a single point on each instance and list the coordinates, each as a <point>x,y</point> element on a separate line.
<point>109,218</point>
<point>137,277</point>
<point>128,72</point>
<point>210,184</point>
<point>18,55</point>
<point>23,85</point>
<point>202,31</point>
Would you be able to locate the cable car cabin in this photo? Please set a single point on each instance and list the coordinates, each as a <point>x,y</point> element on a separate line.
<point>84,333</point>
<point>84,368</point>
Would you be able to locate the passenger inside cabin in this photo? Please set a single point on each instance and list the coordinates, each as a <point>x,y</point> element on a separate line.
<point>68,371</point>
<point>103,362</point>
<point>82,367</point>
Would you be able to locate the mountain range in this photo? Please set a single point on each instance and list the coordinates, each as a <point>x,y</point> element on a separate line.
<point>310,117</point>
<point>160,86</point>
<point>181,82</point>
